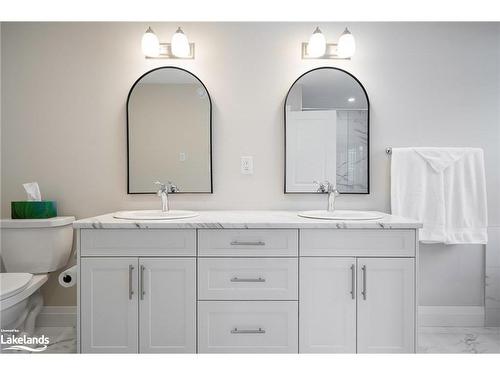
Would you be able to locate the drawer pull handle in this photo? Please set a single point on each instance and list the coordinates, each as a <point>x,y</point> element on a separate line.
<point>353,280</point>
<point>143,292</point>
<point>247,243</point>
<point>243,331</point>
<point>238,280</point>
<point>363,292</point>
<point>130,288</point>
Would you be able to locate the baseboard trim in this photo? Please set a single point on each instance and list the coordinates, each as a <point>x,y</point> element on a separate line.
<point>57,316</point>
<point>451,316</point>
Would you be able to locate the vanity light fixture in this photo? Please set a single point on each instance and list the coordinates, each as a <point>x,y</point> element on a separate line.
<point>317,44</point>
<point>180,44</point>
<point>347,45</point>
<point>179,48</point>
<point>318,48</point>
<point>150,44</point>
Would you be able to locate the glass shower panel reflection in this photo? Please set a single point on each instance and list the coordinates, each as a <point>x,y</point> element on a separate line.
<point>352,151</point>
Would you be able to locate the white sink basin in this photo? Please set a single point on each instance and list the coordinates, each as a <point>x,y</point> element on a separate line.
<point>341,215</point>
<point>154,215</point>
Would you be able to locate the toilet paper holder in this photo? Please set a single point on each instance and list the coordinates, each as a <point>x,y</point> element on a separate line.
<point>67,278</point>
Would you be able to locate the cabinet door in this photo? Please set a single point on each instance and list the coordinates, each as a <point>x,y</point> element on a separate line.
<point>327,309</point>
<point>167,305</point>
<point>109,311</point>
<point>386,305</point>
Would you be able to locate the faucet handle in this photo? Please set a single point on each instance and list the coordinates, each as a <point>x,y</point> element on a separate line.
<point>172,187</point>
<point>162,186</point>
<point>331,188</point>
<point>326,187</point>
<point>321,186</point>
<point>169,187</point>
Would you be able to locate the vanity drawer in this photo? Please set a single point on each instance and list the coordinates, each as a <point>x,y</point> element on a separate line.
<point>357,242</point>
<point>248,279</point>
<point>248,242</point>
<point>138,242</point>
<point>247,327</point>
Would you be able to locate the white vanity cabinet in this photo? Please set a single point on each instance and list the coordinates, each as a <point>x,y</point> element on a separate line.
<point>247,291</point>
<point>357,304</point>
<point>247,282</point>
<point>137,304</point>
<point>364,305</point>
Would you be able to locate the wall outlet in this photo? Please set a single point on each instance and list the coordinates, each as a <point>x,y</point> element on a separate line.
<point>247,165</point>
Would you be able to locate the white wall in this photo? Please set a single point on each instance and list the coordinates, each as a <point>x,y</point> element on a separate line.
<point>65,88</point>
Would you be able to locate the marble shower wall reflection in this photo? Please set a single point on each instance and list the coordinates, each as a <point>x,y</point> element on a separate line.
<point>352,150</point>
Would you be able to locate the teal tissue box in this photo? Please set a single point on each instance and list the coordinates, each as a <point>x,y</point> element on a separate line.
<point>33,209</point>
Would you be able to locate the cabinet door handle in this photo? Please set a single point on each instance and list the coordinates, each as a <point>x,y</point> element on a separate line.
<point>130,288</point>
<point>243,331</point>
<point>353,280</point>
<point>247,243</point>
<point>143,292</point>
<point>363,292</point>
<point>241,280</point>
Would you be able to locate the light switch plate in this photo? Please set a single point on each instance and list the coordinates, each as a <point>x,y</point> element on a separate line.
<point>247,165</point>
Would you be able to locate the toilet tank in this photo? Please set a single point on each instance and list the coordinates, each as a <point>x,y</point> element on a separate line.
<point>36,245</point>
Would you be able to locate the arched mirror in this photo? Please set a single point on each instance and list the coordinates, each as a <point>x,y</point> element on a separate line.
<point>169,130</point>
<point>326,132</point>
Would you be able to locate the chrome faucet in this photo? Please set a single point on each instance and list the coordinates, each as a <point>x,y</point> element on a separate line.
<point>163,191</point>
<point>328,187</point>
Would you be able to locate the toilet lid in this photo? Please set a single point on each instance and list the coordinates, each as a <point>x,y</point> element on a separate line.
<point>12,283</point>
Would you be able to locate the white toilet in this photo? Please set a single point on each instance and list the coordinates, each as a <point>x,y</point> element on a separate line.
<point>30,249</point>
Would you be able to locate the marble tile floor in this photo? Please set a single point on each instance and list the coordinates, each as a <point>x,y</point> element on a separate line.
<point>62,339</point>
<point>459,340</point>
<point>431,339</point>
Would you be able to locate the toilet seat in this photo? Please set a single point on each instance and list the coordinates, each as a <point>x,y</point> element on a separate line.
<point>12,283</point>
<point>15,287</point>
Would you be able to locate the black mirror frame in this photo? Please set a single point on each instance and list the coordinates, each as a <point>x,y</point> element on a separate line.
<point>367,130</point>
<point>128,134</point>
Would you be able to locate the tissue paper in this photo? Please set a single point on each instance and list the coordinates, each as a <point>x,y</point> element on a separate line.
<point>32,191</point>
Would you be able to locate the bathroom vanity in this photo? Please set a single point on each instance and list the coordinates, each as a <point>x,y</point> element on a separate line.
<point>247,281</point>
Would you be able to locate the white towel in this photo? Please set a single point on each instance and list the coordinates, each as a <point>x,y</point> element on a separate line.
<point>445,188</point>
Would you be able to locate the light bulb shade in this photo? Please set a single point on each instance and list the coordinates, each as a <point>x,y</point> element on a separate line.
<point>347,45</point>
<point>180,44</point>
<point>150,44</point>
<point>317,44</point>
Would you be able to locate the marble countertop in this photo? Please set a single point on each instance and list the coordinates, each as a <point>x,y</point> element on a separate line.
<point>246,220</point>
